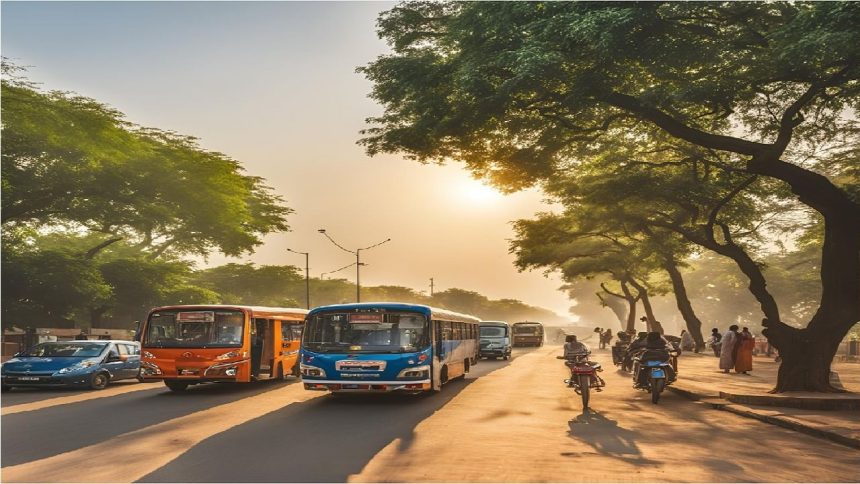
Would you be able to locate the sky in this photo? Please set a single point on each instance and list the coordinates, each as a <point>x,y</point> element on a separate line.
<point>273,85</point>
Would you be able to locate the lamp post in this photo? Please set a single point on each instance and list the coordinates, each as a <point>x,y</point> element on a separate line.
<point>358,264</point>
<point>307,276</point>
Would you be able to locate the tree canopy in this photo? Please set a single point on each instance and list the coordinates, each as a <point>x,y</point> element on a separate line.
<point>527,93</point>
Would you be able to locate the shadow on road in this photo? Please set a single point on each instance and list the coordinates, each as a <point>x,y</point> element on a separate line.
<point>21,395</point>
<point>607,437</point>
<point>326,439</point>
<point>30,436</point>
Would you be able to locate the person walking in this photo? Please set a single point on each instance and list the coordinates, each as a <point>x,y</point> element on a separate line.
<point>715,340</point>
<point>746,343</point>
<point>607,337</point>
<point>728,350</point>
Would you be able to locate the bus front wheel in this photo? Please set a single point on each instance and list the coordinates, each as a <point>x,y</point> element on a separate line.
<point>176,386</point>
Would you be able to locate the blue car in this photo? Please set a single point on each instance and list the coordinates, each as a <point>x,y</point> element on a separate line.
<point>91,364</point>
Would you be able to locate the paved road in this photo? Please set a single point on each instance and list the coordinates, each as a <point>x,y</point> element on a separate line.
<point>509,421</point>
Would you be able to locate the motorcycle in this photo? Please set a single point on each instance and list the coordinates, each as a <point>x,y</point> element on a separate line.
<point>619,349</point>
<point>653,372</point>
<point>583,376</point>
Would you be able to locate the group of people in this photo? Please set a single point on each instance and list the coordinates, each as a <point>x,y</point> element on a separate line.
<point>735,349</point>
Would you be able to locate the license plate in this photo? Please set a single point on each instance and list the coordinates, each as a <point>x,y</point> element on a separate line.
<point>28,378</point>
<point>188,372</point>
<point>349,387</point>
<point>658,374</point>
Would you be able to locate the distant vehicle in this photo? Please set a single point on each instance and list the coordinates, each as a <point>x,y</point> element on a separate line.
<point>92,364</point>
<point>186,345</point>
<point>383,347</point>
<point>528,333</point>
<point>495,339</point>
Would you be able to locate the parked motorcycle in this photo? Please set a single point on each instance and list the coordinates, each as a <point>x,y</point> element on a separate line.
<point>653,372</point>
<point>583,376</point>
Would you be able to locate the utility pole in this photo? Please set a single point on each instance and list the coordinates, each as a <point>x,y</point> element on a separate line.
<point>358,262</point>
<point>431,287</point>
<point>307,277</point>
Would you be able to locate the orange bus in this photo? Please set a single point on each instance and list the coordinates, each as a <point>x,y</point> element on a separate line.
<point>186,345</point>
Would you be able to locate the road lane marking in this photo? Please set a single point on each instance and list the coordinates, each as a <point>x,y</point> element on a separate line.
<point>111,391</point>
<point>155,446</point>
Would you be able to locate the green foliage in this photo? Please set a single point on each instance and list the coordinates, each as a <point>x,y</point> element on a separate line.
<point>70,161</point>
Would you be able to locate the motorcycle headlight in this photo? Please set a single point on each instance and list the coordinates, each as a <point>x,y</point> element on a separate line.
<point>78,366</point>
<point>415,372</point>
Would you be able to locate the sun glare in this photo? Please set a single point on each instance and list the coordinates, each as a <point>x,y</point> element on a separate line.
<point>477,192</point>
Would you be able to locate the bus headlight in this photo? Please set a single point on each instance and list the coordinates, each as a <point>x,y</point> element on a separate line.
<point>415,372</point>
<point>148,368</point>
<point>312,371</point>
<point>227,356</point>
<point>147,354</point>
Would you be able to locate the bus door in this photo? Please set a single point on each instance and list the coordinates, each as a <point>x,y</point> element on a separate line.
<point>262,348</point>
<point>291,339</point>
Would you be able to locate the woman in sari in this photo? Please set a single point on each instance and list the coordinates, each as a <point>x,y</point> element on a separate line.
<point>727,352</point>
<point>745,345</point>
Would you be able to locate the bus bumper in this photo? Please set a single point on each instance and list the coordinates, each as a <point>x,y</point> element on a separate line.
<point>364,386</point>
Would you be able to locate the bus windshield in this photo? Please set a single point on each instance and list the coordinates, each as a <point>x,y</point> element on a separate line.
<point>194,329</point>
<point>493,331</point>
<point>526,329</point>
<point>366,332</point>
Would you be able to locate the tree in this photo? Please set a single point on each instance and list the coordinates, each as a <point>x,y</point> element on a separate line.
<point>523,91</point>
<point>70,161</point>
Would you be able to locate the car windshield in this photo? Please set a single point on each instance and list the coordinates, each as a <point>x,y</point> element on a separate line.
<point>366,332</point>
<point>73,350</point>
<point>526,329</point>
<point>493,332</point>
<point>194,329</point>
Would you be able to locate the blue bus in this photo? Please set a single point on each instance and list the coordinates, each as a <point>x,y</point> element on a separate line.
<point>382,347</point>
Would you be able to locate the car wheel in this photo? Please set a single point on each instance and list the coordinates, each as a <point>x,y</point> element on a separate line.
<point>99,381</point>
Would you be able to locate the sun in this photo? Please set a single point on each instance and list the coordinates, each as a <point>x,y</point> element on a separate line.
<point>477,192</point>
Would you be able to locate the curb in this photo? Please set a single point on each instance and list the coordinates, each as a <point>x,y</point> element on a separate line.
<point>723,404</point>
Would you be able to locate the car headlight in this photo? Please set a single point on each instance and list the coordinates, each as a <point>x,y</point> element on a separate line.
<point>415,372</point>
<point>78,366</point>
<point>312,371</point>
<point>227,356</point>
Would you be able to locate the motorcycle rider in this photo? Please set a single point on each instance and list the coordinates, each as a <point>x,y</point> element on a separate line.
<point>572,348</point>
<point>636,346</point>
<point>658,348</point>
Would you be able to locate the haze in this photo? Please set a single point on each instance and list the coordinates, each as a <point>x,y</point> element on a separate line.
<point>273,85</point>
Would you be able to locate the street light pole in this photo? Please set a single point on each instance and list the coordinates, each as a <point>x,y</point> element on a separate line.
<point>307,276</point>
<point>358,264</point>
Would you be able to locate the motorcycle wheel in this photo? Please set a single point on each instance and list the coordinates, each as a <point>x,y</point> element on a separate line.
<point>585,389</point>
<point>656,389</point>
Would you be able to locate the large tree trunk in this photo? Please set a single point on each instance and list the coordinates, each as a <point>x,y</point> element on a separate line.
<point>694,325</point>
<point>651,322</point>
<point>807,353</point>
<point>631,312</point>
